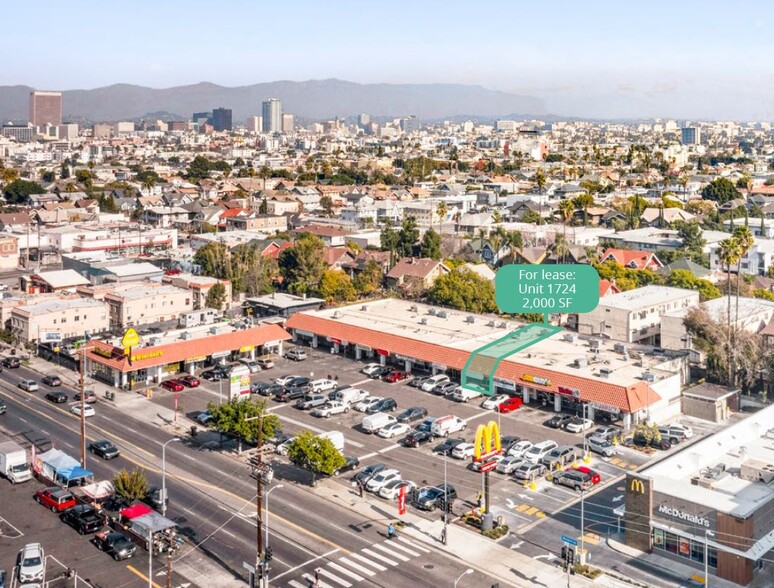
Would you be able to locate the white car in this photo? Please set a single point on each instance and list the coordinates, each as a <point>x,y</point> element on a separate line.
<point>494,401</point>
<point>578,425</point>
<point>601,446</point>
<point>370,368</point>
<point>391,490</point>
<point>381,479</point>
<point>394,430</point>
<point>684,429</point>
<point>330,408</point>
<point>461,394</point>
<point>88,410</point>
<point>367,403</point>
<point>509,465</point>
<point>463,451</point>
<point>32,565</point>
<point>323,385</point>
<point>519,449</point>
<point>283,448</point>
<point>430,383</point>
<point>285,380</point>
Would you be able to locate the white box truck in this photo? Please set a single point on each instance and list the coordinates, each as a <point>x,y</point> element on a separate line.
<point>13,462</point>
<point>335,437</point>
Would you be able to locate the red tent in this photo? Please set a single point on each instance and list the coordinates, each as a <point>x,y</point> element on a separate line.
<point>136,510</point>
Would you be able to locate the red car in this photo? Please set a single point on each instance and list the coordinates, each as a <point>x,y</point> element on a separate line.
<point>55,499</point>
<point>592,474</point>
<point>509,404</point>
<point>394,376</point>
<point>174,385</point>
<point>190,381</point>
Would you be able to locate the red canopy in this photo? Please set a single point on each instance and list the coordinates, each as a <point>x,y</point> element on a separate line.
<point>136,510</point>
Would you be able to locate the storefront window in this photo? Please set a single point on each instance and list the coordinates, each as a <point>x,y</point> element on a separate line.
<point>683,547</point>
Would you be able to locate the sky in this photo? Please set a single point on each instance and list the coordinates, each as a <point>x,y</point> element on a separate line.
<point>600,59</point>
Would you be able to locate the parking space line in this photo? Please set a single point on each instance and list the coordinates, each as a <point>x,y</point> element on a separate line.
<point>362,382</point>
<point>317,430</point>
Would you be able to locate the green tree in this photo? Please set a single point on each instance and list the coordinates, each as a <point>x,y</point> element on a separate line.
<point>720,190</point>
<point>107,203</point>
<point>729,255</point>
<point>302,265</point>
<point>326,202</point>
<point>531,217</point>
<point>465,290</point>
<point>315,453</point>
<point>336,286</point>
<point>408,236</point>
<point>389,238</point>
<point>18,191</point>
<point>199,168</point>
<point>687,281</point>
<point>431,244</point>
<point>262,273</point>
<point>131,485</point>
<point>216,297</point>
<point>264,206</point>
<point>369,279</point>
<point>583,202</point>
<point>441,210</point>
<point>64,172</point>
<point>211,257</point>
<point>83,175</point>
<point>48,176</point>
<point>516,240</point>
<point>692,237</point>
<point>231,417</point>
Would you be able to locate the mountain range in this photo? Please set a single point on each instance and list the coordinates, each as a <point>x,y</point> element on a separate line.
<point>314,99</point>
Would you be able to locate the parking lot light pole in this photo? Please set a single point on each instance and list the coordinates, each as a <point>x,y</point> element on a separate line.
<point>462,575</point>
<point>707,533</point>
<point>164,475</point>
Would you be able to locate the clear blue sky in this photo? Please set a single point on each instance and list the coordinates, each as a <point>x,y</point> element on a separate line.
<point>681,58</point>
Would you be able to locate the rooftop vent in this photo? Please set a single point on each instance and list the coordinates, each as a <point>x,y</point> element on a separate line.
<point>619,348</point>
<point>337,314</point>
<point>470,319</point>
<point>431,311</point>
<point>580,362</point>
<point>491,324</point>
<point>594,343</point>
<point>757,471</point>
<point>605,372</point>
<point>414,308</point>
<point>648,376</point>
<point>502,325</point>
<point>423,321</point>
<point>442,314</point>
<point>364,307</point>
<point>569,337</point>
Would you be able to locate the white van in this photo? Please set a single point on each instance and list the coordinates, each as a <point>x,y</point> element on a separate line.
<point>446,425</point>
<point>432,382</point>
<point>351,395</point>
<point>464,394</point>
<point>335,437</point>
<point>373,422</point>
<point>322,385</point>
<point>539,451</point>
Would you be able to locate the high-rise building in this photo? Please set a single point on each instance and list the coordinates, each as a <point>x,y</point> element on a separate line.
<point>272,116</point>
<point>690,135</point>
<point>288,121</point>
<point>45,108</point>
<point>409,124</point>
<point>221,119</point>
<point>363,119</point>
<point>68,131</point>
<point>254,124</point>
<point>201,117</point>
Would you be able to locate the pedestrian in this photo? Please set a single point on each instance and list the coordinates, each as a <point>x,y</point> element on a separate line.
<point>443,535</point>
<point>317,578</point>
<point>479,499</point>
<point>360,487</point>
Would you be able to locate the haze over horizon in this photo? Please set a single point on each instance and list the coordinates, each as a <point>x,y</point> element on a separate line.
<point>691,59</point>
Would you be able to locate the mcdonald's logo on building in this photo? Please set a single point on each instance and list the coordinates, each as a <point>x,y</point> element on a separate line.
<point>488,440</point>
<point>637,486</point>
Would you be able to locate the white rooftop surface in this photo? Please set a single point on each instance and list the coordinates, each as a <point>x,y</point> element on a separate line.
<point>395,317</point>
<point>134,269</point>
<point>63,278</point>
<point>59,304</point>
<point>645,297</point>
<point>282,300</point>
<point>147,290</point>
<point>730,494</point>
<point>179,335</point>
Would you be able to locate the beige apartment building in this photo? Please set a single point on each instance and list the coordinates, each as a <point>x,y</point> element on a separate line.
<point>141,303</point>
<point>58,319</point>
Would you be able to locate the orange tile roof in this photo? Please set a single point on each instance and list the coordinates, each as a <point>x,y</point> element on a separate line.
<point>641,259</point>
<point>626,398</point>
<point>182,350</point>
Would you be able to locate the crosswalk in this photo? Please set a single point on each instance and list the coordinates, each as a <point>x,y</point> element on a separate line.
<point>359,566</point>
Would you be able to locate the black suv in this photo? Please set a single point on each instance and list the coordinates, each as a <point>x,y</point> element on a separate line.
<point>350,463</point>
<point>369,472</point>
<point>642,441</point>
<point>430,498</point>
<point>412,414</point>
<point>558,421</point>
<point>385,405</point>
<point>84,518</point>
<point>416,438</point>
<point>56,397</point>
<point>293,393</point>
<point>116,544</point>
<point>11,362</point>
<point>446,447</point>
<point>265,388</point>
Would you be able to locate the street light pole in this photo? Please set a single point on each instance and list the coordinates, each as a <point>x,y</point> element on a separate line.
<point>707,533</point>
<point>258,499</point>
<point>150,558</point>
<point>164,475</point>
<point>445,506</point>
<point>83,405</point>
<point>463,574</point>
<point>266,539</point>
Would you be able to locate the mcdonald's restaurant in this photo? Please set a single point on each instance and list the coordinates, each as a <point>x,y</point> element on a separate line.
<point>711,504</point>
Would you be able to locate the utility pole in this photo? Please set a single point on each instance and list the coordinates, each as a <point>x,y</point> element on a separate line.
<point>83,407</point>
<point>259,572</point>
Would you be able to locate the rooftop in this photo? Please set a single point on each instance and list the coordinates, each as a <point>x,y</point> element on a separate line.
<point>282,300</point>
<point>62,278</point>
<point>646,296</point>
<point>60,305</point>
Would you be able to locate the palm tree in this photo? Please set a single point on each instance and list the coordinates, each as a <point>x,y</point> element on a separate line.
<point>540,180</point>
<point>516,240</point>
<point>729,255</point>
<point>148,184</point>
<point>566,210</point>
<point>744,239</point>
<point>442,209</point>
<point>560,247</point>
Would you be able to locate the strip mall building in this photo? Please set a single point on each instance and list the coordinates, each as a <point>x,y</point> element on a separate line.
<point>179,351</point>
<point>565,371</point>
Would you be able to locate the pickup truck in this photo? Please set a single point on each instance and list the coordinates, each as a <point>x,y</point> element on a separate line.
<point>84,518</point>
<point>312,401</point>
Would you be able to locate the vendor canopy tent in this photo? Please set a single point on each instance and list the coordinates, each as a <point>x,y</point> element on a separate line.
<point>98,490</point>
<point>58,466</point>
<point>136,510</point>
<point>150,523</point>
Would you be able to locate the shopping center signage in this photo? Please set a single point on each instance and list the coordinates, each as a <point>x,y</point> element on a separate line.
<point>682,515</point>
<point>536,380</point>
<point>569,391</point>
<point>149,355</point>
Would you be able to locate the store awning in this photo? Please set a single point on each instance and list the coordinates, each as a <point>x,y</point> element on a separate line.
<point>152,522</point>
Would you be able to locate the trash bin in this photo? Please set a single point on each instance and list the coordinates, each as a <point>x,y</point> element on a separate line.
<point>110,395</point>
<point>194,431</point>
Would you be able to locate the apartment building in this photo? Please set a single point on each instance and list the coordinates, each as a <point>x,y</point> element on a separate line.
<point>59,319</point>
<point>143,303</point>
<point>635,316</point>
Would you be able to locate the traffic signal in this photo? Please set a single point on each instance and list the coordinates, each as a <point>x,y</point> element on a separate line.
<point>268,555</point>
<point>568,556</point>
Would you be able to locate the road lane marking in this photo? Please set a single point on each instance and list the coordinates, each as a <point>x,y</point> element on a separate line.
<point>345,571</point>
<point>380,557</point>
<point>390,552</point>
<point>141,575</point>
<point>335,578</point>
<point>360,568</point>
<point>413,545</point>
<point>299,566</point>
<point>229,533</point>
<point>296,584</point>
<point>406,549</point>
<point>317,583</point>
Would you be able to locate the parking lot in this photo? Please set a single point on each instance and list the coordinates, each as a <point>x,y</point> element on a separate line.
<point>519,505</point>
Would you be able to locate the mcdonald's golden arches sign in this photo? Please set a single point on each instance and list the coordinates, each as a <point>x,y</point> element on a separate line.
<point>487,442</point>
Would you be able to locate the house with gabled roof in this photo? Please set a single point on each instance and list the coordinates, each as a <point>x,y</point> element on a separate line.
<point>632,259</point>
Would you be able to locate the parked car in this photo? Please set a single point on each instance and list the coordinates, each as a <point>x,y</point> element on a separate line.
<point>578,425</point>
<point>265,362</point>
<point>190,381</point>
<point>445,388</point>
<point>519,449</point>
<point>384,405</point>
<point>104,449</point>
<point>292,393</point>
<point>508,441</point>
<point>290,381</point>
<point>88,411</point>
<point>417,381</point>
<point>572,479</point>
<point>367,403</point>
<point>416,438</point>
<point>412,414</point>
<point>56,397</point>
<point>535,453</point>
<point>463,451</point>
<point>394,376</point>
<point>296,354</point>
<point>446,425</point>
<point>266,388</point>
<point>593,475</point>
<point>477,465</point>
<point>380,372</point>
<point>382,478</point>
<point>606,433</point>
<point>391,490</point>
<point>641,440</point>
<point>460,394</point>
<point>370,368</point>
<point>601,446</point>
<point>393,430</point>
<point>374,422</point>
<point>426,425</point>
<point>205,418</point>
<point>561,456</point>
<point>322,385</point>
<point>89,397</point>
<point>55,498</point>
<point>558,421</point>
<point>215,374</point>
<point>251,365</point>
<point>350,463</point>
<point>29,385</point>
<point>666,433</point>
<point>448,445</point>
<point>509,464</point>
<point>369,472</point>
<point>51,381</point>
<point>11,362</point>
<point>175,385</point>
<point>509,405</point>
<point>32,566</point>
<point>84,518</point>
<point>432,497</point>
<point>433,381</point>
<point>309,402</point>
<point>494,401</point>
<point>115,544</point>
<point>529,471</point>
<point>678,428</point>
<point>330,408</point>
<point>284,447</point>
